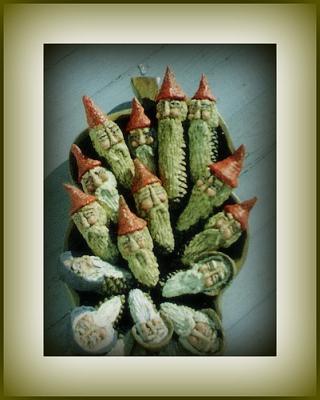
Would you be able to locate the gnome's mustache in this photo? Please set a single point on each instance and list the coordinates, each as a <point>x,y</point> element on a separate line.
<point>119,151</point>
<point>141,256</point>
<point>158,214</point>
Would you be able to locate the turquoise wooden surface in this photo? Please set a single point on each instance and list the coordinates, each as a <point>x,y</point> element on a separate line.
<point>242,78</point>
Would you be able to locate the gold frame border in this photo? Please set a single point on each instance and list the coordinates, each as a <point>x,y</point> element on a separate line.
<point>293,29</point>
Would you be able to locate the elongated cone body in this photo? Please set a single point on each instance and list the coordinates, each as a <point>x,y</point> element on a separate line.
<point>152,204</point>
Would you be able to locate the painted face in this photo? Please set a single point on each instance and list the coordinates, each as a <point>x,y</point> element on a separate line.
<point>209,185</point>
<point>202,109</point>
<point>227,225</point>
<point>136,248</point>
<point>213,272</point>
<point>172,109</point>
<point>133,242</point>
<point>139,137</point>
<point>89,215</point>
<point>88,333</point>
<point>109,135</point>
<point>151,196</point>
<point>94,178</point>
<point>152,331</point>
<point>202,337</point>
<point>85,266</point>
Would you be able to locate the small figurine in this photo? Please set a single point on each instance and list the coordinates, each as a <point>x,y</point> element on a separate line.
<point>212,190</point>
<point>222,230</point>
<point>98,181</point>
<point>203,139</point>
<point>90,219</point>
<point>171,111</point>
<point>152,204</point>
<point>141,140</point>
<point>151,330</point>
<point>108,141</point>
<point>135,245</point>
<point>200,332</point>
<point>91,274</point>
<point>92,328</point>
<point>209,276</point>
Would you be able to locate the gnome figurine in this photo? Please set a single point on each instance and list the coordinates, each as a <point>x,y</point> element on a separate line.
<point>109,143</point>
<point>212,190</point>
<point>203,140</point>
<point>136,246</point>
<point>199,332</point>
<point>98,181</point>
<point>90,219</point>
<point>171,111</point>
<point>152,204</point>
<point>221,231</point>
<point>140,137</point>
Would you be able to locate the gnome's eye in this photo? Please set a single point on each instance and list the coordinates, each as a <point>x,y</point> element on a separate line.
<point>149,139</point>
<point>103,175</point>
<point>162,197</point>
<point>141,241</point>
<point>146,204</point>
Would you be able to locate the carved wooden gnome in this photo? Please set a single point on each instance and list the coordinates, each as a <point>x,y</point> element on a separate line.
<point>140,137</point>
<point>98,181</point>
<point>136,246</point>
<point>203,140</point>
<point>152,204</point>
<point>212,190</point>
<point>90,219</point>
<point>221,231</point>
<point>171,111</point>
<point>108,141</point>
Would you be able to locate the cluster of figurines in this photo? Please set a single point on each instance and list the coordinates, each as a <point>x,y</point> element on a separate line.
<point>154,169</point>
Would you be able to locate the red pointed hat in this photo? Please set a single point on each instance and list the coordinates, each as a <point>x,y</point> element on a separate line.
<point>228,170</point>
<point>78,198</point>
<point>138,118</point>
<point>142,176</point>
<point>94,115</point>
<point>170,90</point>
<point>204,92</point>
<point>128,222</point>
<point>240,211</point>
<point>84,163</point>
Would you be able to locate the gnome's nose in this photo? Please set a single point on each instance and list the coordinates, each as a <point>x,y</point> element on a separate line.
<point>142,139</point>
<point>113,139</point>
<point>133,244</point>
<point>154,197</point>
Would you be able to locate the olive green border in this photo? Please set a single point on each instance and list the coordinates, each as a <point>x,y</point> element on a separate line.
<point>142,2</point>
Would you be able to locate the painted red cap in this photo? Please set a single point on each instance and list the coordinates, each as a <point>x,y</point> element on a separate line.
<point>142,176</point>
<point>170,90</point>
<point>128,222</point>
<point>84,163</point>
<point>204,91</point>
<point>78,198</point>
<point>138,118</point>
<point>241,211</point>
<point>95,116</point>
<point>228,170</point>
